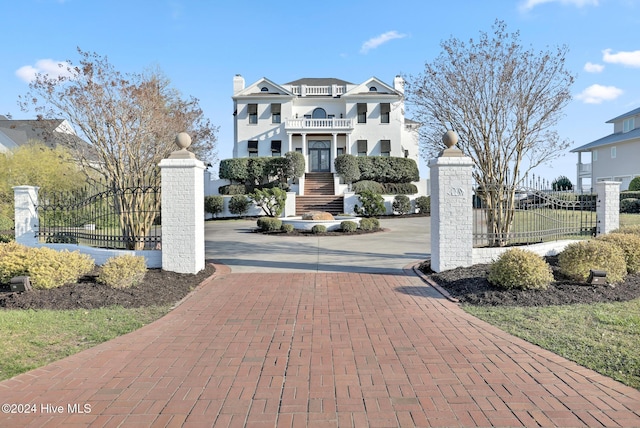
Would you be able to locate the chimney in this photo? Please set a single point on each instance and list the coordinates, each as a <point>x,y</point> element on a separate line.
<point>238,83</point>
<point>398,84</point>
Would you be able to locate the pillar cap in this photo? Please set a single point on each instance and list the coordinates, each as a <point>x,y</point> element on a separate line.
<point>183,141</point>
<point>450,139</point>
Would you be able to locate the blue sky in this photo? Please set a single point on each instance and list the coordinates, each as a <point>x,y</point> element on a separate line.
<point>200,45</point>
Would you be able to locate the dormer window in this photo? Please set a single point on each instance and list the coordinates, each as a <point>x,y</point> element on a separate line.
<point>628,124</point>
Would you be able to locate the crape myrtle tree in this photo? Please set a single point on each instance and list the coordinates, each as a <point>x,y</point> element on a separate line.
<point>130,121</point>
<point>503,101</point>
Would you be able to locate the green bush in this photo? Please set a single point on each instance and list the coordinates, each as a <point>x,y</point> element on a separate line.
<point>46,268</point>
<point>634,186</point>
<point>295,165</point>
<point>6,223</point>
<point>629,244</point>
<point>234,170</point>
<point>348,226</point>
<point>6,237</point>
<point>123,271</point>
<point>401,204</point>
<point>271,201</point>
<point>347,168</point>
<point>269,224</point>
<point>369,224</point>
<point>287,227</point>
<point>577,259</point>
<point>388,169</point>
<point>213,204</point>
<point>520,269</point>
<point>372,204</point>
<point>233,189</point>
<point>629,194</point>
<point>366,185</point>
<point>561,183</point>
<point>239,204</point>
<point>423,204</point>
<point>319,228</point>
<point>630,206</point>
<point>399,189</point>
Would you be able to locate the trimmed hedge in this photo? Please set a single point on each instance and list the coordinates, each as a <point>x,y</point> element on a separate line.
<point>388,169</point>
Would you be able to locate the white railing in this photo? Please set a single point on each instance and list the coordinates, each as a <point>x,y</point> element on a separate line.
<point>328,91</point>
<point>319,123</point>
<point>584,169</point>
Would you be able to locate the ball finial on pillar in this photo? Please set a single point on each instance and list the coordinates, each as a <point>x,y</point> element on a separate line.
<point>450,139</point>
<point>183,141</point>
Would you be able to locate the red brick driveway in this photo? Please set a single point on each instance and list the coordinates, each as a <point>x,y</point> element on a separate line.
<point>317,349</point>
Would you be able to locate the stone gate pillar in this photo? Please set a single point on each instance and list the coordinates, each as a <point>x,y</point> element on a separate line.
<point>607,206</point>
<point>25,215</point>
<point>451,207</point>
<point>182,210</point>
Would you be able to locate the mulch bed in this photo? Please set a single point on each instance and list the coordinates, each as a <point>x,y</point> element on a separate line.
<point>470,286</point>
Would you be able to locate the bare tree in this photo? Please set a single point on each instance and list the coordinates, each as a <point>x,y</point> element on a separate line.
<point>503,101</point>
<point>130,122</point>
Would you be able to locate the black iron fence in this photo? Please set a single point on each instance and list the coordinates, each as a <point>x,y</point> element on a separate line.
<point>103,215</point>
<point>529,215</point>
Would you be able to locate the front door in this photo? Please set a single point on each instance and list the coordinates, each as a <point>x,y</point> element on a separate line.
<point>319,156</point>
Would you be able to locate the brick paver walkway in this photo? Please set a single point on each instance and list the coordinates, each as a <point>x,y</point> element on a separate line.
<point>318,349</point>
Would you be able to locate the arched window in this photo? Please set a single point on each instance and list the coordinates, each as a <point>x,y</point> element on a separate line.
<point>264,89</point>
<point>319,113</point>
<point>373,89</point>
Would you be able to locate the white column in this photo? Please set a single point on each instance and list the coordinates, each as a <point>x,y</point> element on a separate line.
<point>305,153</point>
<point>451,208</point>
<point>607,206</point>
<point>25,215</point>
<point>334,151</point>
<point>182,210</point>
<point>289,141</point>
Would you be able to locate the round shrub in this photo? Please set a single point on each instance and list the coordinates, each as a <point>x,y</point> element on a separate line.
<point>423,204</point>
<point>521,269</point>
<point>239,204</point>
<point>123,271</point>
<point>286,227</point>
<point>401,204</point>
<point>13,261</point>
<point>269,224</point>
<point>319,228</point>
<point>629,244</point>
<point>369,224</point>
<point>213,204</point>
<point>372,204</point>
<point>634,185</point>
<point>47,268</point>
<point>348,226</point>
<point>577,259</point>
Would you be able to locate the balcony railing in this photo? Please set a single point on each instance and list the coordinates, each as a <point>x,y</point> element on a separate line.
<point>319,124</point>
<point>584,169</point>
<point>326,91</point>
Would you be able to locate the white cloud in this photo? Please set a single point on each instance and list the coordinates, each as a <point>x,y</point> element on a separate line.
<point>51,68</point>
<point>630,59</point>
<point>379,40</point>
<point>593,68</point>
<point>530,4</point>
<point>596,94</point>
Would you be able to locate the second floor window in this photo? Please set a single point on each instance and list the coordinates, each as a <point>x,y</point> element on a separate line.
<point>275,113</point>
<point>319,113</point>
<point>362,112</point>
<point>385,110</point>
<point>252,110</point>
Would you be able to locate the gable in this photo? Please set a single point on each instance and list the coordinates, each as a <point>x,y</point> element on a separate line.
<point>373,86</point>
<point>263,87</point>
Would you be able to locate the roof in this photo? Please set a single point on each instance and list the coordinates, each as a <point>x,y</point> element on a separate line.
<point>619,137</point>
<point>51,132</point>
<point>319,81</point>
<point>624,116</point>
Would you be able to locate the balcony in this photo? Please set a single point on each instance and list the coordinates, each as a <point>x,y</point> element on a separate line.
<point>584,170</point>
<point>319,124</point>
<point>324,91</point>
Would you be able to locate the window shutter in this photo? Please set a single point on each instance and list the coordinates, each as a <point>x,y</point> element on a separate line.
<point>275,108</point>
<point>385,108</point>
<point>362,108</point>
<point>252,108</point>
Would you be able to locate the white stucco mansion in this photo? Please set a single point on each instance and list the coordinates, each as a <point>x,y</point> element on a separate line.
<point>322,118</point>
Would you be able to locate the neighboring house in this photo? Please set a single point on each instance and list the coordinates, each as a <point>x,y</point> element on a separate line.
<point>615,157</point>
<point>51,132</point>
<point>322,118</point>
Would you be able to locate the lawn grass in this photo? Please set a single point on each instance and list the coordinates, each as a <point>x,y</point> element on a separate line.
<point>604,337</point>
<point>629,219</point>
<point>30,339</point>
